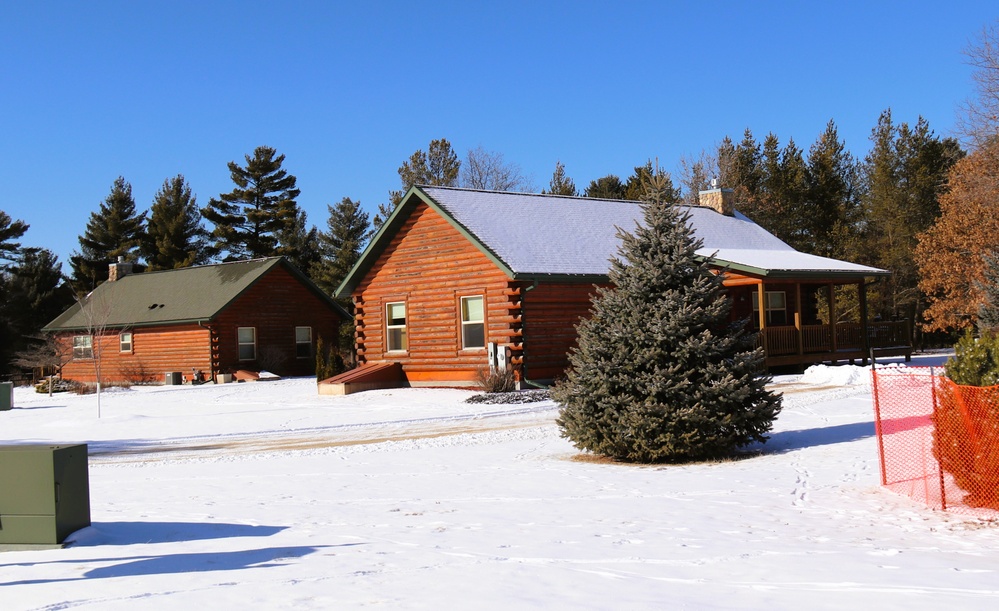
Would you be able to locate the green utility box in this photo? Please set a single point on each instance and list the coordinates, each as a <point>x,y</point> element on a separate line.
<point>44,493</point>
<point>6,395</point>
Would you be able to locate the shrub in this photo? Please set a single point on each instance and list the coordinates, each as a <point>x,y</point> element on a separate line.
<point>495,380</point>
<point>329,362</point>
<point>966,419</point>
<point>975,361</point>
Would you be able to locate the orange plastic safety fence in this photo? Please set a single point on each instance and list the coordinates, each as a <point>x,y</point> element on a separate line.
<point>938,441</point>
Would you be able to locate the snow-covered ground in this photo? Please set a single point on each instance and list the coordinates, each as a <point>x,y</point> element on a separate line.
<point>265,495</point>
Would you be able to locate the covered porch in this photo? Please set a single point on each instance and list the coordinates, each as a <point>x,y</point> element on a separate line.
<point>800,320</point>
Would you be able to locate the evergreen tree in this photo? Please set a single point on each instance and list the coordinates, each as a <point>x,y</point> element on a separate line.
<point>608,187</point>
<point>660,375</point>
<point>438,167</point>
<point>175,237</point>
<point>115,230</point>
<point>300,243</point>
<point>561,184</point>
<point>35,292</point>
<point>10,230</point>
<point>904,175</point>
<point>832,206</point>
<point>347,232</point>
<point>988,312</point>
<point>250,219</point>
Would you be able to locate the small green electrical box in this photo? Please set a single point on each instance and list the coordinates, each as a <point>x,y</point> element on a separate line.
<point>44,493</point>
<point>6,395</point>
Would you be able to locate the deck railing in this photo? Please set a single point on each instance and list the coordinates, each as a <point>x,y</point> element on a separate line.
<point>813,339</point>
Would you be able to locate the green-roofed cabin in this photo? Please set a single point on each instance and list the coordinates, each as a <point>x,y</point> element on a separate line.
<point>455,276</point>
<point>257,315</point>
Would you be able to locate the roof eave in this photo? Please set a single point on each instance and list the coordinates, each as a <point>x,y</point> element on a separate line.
<point>791,274</point>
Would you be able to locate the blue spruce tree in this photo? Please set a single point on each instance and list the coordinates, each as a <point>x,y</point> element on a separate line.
<point>660,374</point>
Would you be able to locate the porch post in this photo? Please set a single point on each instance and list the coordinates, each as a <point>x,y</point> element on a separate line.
<point>797,318</point>
<point>832,318</point>
<point>866,341</point>
<point>761,300</point>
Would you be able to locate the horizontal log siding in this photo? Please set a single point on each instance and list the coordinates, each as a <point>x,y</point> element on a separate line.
<point>551,313</point>
<point>155,351</point>
<point>430,266</point>
<point>274,305</point>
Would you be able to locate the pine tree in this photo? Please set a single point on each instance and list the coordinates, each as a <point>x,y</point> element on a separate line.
<point>115,230</point>
<point>347,232</point>
<point>249,219</point>
<point>660,375</point>
<point>175,237</point>
<point>903,175</point>
<point>561,184</point>
<point>608,187</point>
<point>10,230</point>
<point>300,243</point>
<point>832,206</point>
<point>438,167</point>
<point>35,292</point>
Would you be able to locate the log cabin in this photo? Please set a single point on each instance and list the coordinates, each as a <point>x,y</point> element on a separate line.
<point>203,322</point>
<point>457,280</point>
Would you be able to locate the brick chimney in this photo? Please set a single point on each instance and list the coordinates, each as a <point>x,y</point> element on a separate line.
<point>119,269</point>
<point>719,200</point>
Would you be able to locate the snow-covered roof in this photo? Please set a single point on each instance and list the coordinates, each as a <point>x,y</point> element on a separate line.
<point>537,236</point>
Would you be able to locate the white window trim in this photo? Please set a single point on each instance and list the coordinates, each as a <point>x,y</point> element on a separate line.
<point>466,323</point>
<point>82,355</point>
<point>121,342</point>
<point>390,327</point>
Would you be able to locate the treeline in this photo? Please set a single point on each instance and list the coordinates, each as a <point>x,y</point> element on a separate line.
<point>915,205</point>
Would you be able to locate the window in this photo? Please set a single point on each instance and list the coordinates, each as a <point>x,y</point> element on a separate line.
<point>395,326</point>
<point>303,342</point>
<point>473,328</point>
<point>83,347</point>
<point>125,342</point>
<point>776,307</point>
<point>246,339</point>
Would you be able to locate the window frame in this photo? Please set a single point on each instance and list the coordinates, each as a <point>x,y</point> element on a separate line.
<point>308,344</point>
<point>770,297</point>
<point>83,352</point>
<point>240,344</point>
<point>389,328</point>
<point>464,324</point>
<point>122,343</point>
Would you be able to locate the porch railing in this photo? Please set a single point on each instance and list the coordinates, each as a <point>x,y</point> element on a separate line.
<point>813,339</point>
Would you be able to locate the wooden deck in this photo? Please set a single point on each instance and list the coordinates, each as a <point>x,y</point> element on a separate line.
<point>789,345</point>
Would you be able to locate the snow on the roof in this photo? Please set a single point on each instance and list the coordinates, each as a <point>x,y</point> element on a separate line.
<point>548,234</point>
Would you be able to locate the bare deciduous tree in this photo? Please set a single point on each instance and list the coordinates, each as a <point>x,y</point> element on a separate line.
<point>978,116</point>
<point>97,308</point>
<point>489,171</point>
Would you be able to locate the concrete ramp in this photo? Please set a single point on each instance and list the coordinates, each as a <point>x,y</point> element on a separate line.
<point>371,376</point>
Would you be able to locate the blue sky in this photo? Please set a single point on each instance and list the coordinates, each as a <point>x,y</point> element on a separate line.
<point>348,90</point>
